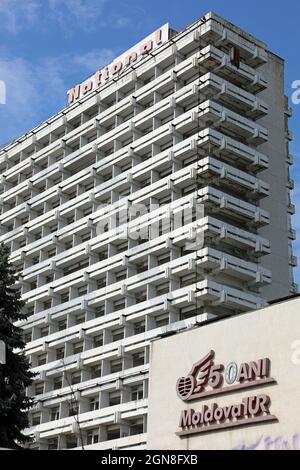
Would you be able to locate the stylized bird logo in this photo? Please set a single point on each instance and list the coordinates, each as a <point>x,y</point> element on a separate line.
<point>204,372</point>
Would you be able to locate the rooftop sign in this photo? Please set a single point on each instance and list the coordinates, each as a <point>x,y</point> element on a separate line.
<point>130,57</point>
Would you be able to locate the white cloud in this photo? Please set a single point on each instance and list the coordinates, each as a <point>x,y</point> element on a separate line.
<point>74,13</point>
<point>95,59</point>
<point>35,91</point>
<point>121,22</point>
<point>16,14</point>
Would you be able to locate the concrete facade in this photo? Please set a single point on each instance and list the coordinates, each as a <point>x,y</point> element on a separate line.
<point>272,333</point>
<point>197,124</point>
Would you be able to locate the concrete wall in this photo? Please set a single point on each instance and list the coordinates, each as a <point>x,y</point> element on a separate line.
<point>276,176</point>
<point>274,333</point>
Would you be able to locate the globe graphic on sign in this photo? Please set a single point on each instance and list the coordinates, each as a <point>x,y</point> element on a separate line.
<point>185,387</point>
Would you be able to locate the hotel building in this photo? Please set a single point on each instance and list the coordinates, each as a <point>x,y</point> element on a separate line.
<point>187,120</point>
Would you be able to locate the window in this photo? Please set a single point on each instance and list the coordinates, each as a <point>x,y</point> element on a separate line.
<point>47,305</point>
<point>68,245</point>
<point>140,297</point>
<point>44,331</point>
<point>80,319</point>
<point>118,334</point>
<point>90,185</point>
<point>53,444</point>
<point>75,267</point>
<point>51,253</point>
<point>163,288</point>
<point>54,414</point>
<point>100,311</point>
<point>142,267</point>
<point>82,290</point>
<point>28,337</point>
<point>39,388</point>
<point>76,377</point>
<point>101,283</point>
<point>53,228</point>
<point>42,359</point>
<point>139,327</point>
<point>92,437</point>
<point>36,419</point>
<point>162,320</point>
<point>188,280</point>
<point>71,441</point>
<point>136,427</point>
<point>94,404</point>
<point>188,312</point>
<point>137,393</point>
<point>114,398</point>
<point>116,366</point>
<point>78,347</point>
<point>62,325</point>
<point>87,211</point>
<point>113,433</point>
<point>30,311</point>
<point>57,383</point>
<point>98,341</point>
<point>49,278</point>
<point>33,285</point>
<point>85,237</point>
<point>138,359</point>
<point>60,353</point>
<point>96,371</point>
<point>103,255</point>
<point>120,276</point>
<point>118,305</point>
<point>163,259</point>
<point>73,410</point>
<point>64,297</point>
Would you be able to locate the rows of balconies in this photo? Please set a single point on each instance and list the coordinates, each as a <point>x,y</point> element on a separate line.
<point>104,215</point>
<point>229,121</point>
<point>214,87</point>
<point>177,180</point>
<point>219,31</point>
<point>226,175</point>
<point>213,59</point>
<point>121,414</point>
<point>175,269</point>
<point>182,149</point>
<point>232,150</point>
<point>140,95</point>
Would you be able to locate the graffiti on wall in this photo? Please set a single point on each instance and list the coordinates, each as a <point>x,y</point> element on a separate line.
<point>272,443</point>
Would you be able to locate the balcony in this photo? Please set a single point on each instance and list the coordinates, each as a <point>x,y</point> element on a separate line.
<point>214,87</point>
<point>223,118</point>
<point>229,176</point>
<point>253,52</point>
<point>215,60</point>
<point>212,139</point>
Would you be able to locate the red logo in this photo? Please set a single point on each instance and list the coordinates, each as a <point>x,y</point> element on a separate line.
<point>204,373</point>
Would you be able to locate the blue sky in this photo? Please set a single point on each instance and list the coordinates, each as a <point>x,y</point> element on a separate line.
<point>47,46</point>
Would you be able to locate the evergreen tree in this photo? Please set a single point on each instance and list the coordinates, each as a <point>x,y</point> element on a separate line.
<point>15,375</point>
